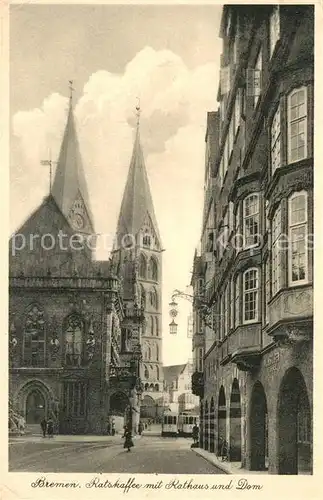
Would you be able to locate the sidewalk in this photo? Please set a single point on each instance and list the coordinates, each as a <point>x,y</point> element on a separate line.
<point>59,438</point>
<point>226,467</point>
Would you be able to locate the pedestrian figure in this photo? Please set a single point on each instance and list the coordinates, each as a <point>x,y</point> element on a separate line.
<point>128,439</point>
<point>109,428</point>
<point>195,434</point>
<point>224,450</point>
<point>50,428</point>
<point>113,429</point>
<point>21,425</point>
<point>140,428</point>
<point>146,425</point>
<point>43,425</point>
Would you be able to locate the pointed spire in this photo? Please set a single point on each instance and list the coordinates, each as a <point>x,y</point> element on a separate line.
<point>69,187</point>
<point>137,204</point>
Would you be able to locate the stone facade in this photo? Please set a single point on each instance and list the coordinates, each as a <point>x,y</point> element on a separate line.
<point>256,259</point>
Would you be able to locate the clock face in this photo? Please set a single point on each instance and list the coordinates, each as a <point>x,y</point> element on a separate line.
<point>78,221</point>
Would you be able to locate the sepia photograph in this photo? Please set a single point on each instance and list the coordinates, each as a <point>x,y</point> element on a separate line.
<point>161,239</point>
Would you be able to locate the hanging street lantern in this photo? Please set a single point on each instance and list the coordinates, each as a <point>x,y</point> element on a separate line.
<point>173,328</point>
<point>173,309</point>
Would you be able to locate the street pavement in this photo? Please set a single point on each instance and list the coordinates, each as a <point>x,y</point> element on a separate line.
<point>151,454</point>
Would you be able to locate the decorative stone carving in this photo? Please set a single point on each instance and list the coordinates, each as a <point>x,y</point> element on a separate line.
<point>90,343</point>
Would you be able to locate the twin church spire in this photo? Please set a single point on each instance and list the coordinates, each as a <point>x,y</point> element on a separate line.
<point>71,194</point>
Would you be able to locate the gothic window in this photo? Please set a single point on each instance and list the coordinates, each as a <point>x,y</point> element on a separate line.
<point>152,325</point>
<point>142,266</point>
<point>146,241</point>
<point>157,326</point>
<point>143,296</point>
<point>74,399</point>
<point>153,269</point>
<point>156,388</point>
<point>157,352</point>
<point>34,337</point>
<point>146,372</point>
<point>74,333</point>
<point>157,372</point>
<point>149,352</point>
<point>153,298</point>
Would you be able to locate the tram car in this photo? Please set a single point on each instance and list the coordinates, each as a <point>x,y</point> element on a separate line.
<point>169,424</point>
<point>186,422</point>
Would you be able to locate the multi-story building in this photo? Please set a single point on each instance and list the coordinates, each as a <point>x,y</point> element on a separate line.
<point>256,259</point>
<point>178,387</point>
<point>66,313</point>
<point>138,244</point>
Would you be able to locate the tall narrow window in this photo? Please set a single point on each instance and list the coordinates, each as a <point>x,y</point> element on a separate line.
<point>232,304</point>
<point>237,302</point>
<point>157,326</point>
<point>142,266</point>
<point>250,295</point>
<point>152,269</point>
<point>74,332</point>
<point>274,29</point>
<point>225,313</point>
<point>275,145</point>
<point>257,79</point>
<point>200,359</point>
<point>298,272</point>
<point>74,399</point>
<point>267,291</point>
<point>237,112</point>
<point>152,325</point>
<point>276,253</point>
<point>251,220</point>
<point>153,298</point>
<point>297,125</point>
<point>34,337</point>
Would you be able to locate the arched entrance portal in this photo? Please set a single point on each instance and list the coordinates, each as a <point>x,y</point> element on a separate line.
<point>222,415</point>
<point>294,425</point>
<point>120,412</point>
<point>258,428</point>
<point>35,407</point>
<point>235,422</point>
<point>148,408</point>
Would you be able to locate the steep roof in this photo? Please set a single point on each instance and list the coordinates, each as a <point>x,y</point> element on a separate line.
<point>172,372</point>
<point>137,203</point>
<point>69,182</point>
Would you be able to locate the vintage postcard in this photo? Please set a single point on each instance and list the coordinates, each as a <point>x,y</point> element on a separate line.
<point>160,269</point>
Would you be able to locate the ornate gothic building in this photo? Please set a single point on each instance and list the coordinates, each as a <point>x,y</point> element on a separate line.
<point>139,249</point>
<point>73,341</point>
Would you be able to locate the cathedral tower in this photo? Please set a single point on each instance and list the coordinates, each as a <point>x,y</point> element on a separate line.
<point>138,241</point>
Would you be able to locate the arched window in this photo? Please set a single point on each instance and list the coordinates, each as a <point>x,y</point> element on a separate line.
<point>251,220</point>
<point>156,388</point>
<point>250,295</point>
<point>74,332</point>
<point>153,269</point>
<point>34,337</point>
<point>142,266</point>
<point>152,325</point>
<point>146,372</point>
<point>157,326</point>
<point>146,240</point>
<point>157,352</point>
<point>157,372</point>
<point>153,298</point>
<point>143,296</point>
<point>149,353</point>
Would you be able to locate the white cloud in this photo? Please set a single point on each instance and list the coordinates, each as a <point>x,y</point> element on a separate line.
<point>174,103</point>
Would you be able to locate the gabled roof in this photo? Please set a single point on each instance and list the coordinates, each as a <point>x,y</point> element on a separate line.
<point>69,182</point>
<point>172,372</point>
<point>137,204</point>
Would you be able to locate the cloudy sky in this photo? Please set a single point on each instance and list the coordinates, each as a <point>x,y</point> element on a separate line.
<point>166,55</point>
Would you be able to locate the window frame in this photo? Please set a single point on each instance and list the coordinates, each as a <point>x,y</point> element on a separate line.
<point>274,19</point>
<point>289,124</point>
<point>304,281</point>
<point>276,140</point>
<point>256,291</point>
<point>258,66</point>
<point>237,303</point>
<point>245,217</point>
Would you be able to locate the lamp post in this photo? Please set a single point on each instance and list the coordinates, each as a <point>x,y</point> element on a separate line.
<point>204,309</point>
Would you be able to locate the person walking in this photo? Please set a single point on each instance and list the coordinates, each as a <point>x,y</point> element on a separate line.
<point>128,439</point>
<point>195,435</point>
<point>140,428</point>
<point>43,425</point>
<point>113,428</point>
<point>50,428</point>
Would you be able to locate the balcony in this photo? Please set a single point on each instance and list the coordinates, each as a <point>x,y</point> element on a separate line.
<point>198,384</point>
<point>291,315</point>
<point>242,347</point>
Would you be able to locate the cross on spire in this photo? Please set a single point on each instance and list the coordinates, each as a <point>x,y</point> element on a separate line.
<point>71,89</point>
<point>138,111</point>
